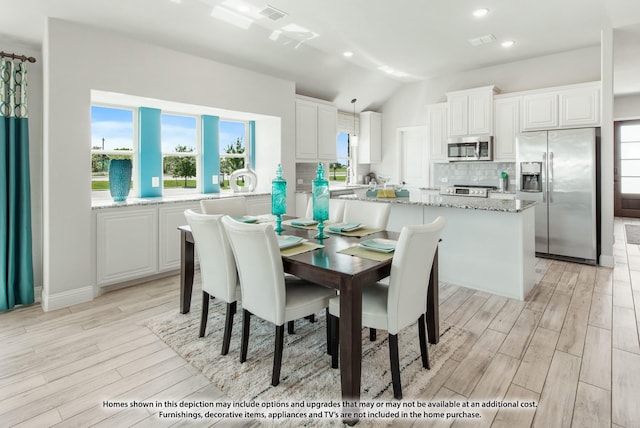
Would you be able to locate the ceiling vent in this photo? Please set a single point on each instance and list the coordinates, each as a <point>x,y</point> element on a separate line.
<point>483,40</point>
<point>272,13</point>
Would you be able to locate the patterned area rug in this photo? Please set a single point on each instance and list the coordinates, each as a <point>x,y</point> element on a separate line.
<point>306,373</point>
<point>633,233</point>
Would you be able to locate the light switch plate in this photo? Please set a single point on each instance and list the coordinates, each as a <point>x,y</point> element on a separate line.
<point>155,181</point>
<point>214,179</point>
<point>444,179</point>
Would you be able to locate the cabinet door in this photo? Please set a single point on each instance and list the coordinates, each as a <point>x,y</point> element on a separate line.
<point>327,133</point>
<point>580,107</point>
<point>437,131</point>
<point>507,117</point>
<point>370,138</point>
<point>540,111</point>
<point>306,130</point>
<point>127,245</point>
<point>458,110</point>
<point>479,119</point>
<point>169,218</point>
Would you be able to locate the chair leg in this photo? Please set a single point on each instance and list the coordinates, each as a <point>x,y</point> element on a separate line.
<point>424,350</point>
<point>228,327</point>
<point>372,334</point>
<point>277,355</point>
<point>335,339</point>
<point>290,327</point>
<point>205,313</point>
<point>311,318</point>
<point>326,319</point>
<point>395,366</point>
<point>246,320</point>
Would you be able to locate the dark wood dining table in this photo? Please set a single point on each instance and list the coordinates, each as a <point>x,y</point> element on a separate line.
<point>346,273</point>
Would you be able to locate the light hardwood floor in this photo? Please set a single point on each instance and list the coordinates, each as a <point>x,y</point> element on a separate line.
<point>572,347</point>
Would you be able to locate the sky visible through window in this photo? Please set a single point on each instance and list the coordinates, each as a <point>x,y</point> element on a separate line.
<point>178,131</point>
<point>343,137</point>
<point>111,128</point>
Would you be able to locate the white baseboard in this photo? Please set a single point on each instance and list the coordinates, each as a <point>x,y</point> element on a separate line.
<point>51,302</point>
<point>606,261</point>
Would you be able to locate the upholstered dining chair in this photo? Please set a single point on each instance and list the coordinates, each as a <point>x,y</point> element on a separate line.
<point>336,210</point>
<point>234,206</point>
<point>371,214</point>
<point>265,290</point>
<point>399,304</point>
<point>217,269</point>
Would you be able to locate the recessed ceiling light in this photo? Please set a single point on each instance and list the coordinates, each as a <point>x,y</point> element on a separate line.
<point>479,13</point>
<point>348,54</point>
<point>508,43</point>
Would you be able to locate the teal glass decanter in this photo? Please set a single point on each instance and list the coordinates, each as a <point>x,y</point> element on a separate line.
<point>320,197</point>
<point>279,198</point>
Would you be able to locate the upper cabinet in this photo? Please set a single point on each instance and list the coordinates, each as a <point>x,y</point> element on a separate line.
<point>437,131</point>
<point>316,130</point>
<point>471,111</point>
<point>565,107</point>
<point>506,112</point>
<point>370,138</point>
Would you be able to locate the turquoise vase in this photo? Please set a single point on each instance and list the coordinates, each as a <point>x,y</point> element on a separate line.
<point>320,197</point>
<point>119,178</point>
<point>279,198</point>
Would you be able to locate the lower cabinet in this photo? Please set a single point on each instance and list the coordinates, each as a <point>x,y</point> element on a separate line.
<point>169,218</point>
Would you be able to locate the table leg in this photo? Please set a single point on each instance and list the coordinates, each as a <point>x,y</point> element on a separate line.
<point>350,347</point>
<point>433,303</point>
<point>186,272</point>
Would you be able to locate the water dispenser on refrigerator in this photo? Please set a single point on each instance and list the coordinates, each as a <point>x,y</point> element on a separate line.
<point>531,176</point>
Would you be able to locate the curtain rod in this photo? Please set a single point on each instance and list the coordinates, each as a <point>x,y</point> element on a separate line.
<point>15,56</point>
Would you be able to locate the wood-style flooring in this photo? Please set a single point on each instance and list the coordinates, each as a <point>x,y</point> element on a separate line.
<point>572,347</point>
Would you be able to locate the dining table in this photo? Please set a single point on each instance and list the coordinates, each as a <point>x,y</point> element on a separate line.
<point>330,267</point>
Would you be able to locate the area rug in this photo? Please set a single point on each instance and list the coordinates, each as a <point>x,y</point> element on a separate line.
<point>306,374</point>
<point>633,233</point>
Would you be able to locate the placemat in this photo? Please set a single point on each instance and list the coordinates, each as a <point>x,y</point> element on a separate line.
<point>299,249</point>
<point>358,251</point>
<point>364,231</point>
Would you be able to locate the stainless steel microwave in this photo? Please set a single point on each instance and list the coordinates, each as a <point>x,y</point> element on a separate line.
<point>470,149</point>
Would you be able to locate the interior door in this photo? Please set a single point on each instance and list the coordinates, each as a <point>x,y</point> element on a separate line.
<point>627,169</point>
<point>414,157</point>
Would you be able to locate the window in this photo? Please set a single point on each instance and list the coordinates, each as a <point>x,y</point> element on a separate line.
<point>179,141</point>
<point>233,151</point>
<point>338,169</point>
<point>112,137</point>
<point>630,158</point>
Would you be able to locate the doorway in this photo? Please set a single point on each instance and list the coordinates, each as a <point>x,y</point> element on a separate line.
<point>413,156</point>
<point>627,169</point>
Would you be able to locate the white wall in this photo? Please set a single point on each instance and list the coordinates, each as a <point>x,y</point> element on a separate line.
<point>34,99</point>
<point>78,59</point>
<point>626,107</point>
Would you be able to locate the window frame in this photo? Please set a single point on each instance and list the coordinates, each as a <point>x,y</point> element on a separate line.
<point>246,155</point>
<point>197,153</point>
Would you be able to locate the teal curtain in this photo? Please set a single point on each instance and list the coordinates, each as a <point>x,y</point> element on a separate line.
<point>16,265</point>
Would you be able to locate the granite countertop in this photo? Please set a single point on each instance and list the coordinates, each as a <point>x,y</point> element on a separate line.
<point>132,202</point>
<point>420,197</point>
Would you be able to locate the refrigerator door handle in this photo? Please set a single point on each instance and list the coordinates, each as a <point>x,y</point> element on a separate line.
<point>543,184</point>
<point>550,177</point>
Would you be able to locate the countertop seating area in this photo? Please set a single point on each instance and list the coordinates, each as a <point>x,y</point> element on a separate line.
<point>398,304</point>
<point>217,268</point>
<point>266,292</point>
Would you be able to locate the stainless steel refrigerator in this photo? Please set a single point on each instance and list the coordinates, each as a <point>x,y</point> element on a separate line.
<point>558,170</point>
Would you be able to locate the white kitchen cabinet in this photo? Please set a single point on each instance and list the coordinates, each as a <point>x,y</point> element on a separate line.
<point>169,218</point>
<point>370,138</point>
<point>259,205</point>
<point>562,107</point>
<point>507,126</point>
<point>507,196</point>
<point>437,131</point>
<point>471,111</point>
<point>316,130</point>
<point>540,111</point>
<point>127,242</point>
<point>579,107</point>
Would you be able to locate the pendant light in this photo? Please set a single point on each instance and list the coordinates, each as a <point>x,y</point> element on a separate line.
<point>354,139</point>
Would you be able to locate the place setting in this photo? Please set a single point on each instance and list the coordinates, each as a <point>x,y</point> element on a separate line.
<point>378,249</point>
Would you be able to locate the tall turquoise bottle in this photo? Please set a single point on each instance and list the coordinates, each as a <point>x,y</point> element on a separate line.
<point>320,197</point>
<point>279,198</point>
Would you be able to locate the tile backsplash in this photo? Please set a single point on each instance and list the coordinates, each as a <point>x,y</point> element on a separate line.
<point>479,173</point>
<point>307,173</point>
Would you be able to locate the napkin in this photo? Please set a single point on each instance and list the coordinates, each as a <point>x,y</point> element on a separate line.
<point>245,219</point>
<point>289,241</point>
<point>345,227</point>
<point>381,245</point>
<point>303,222</point>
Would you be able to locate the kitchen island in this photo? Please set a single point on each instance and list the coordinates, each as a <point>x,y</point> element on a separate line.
<point>487,244</point>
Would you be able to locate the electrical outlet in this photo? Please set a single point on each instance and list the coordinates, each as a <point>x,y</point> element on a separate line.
<point>300,181</point>
<point>444,179</point>
<point>155,181</point>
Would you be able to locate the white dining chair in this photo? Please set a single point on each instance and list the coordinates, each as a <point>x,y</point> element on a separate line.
<point>265,290</point>
<point>234,206</point>
<point>217,268</point>
<point>336,210</point>
<point>371,214</point>
<point>399,304</point>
